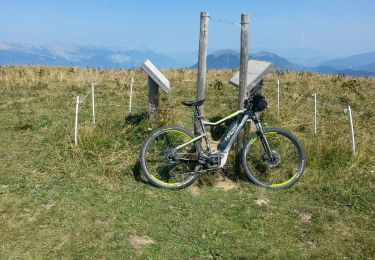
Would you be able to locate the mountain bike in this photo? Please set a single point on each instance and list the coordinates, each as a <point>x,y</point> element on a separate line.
<point>173,157</point>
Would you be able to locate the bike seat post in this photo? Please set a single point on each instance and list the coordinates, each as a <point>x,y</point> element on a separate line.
<point>203,131</point>
<point>198,116</point>
<point>198,112</point>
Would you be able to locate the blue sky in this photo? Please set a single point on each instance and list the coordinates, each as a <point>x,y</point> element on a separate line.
<point>306,27</point>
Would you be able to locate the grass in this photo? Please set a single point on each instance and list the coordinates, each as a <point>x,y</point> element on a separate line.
<point>58,200</point>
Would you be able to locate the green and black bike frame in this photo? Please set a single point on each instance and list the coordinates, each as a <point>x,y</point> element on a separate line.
<point>233,130</point>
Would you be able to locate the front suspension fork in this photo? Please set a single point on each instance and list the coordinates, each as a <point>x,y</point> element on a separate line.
<point>261,135</point>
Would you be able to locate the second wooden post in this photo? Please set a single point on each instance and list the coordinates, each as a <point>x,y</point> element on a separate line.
<point>242,80</point>
<point>153,96</point>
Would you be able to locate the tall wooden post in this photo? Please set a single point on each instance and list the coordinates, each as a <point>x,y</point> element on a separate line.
<point>202,60</point>
<point>244,56</point>
<point>202,56</point>
<point>153,96</point>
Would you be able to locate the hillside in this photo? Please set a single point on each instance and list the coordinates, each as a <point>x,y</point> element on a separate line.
<point>91,201</point>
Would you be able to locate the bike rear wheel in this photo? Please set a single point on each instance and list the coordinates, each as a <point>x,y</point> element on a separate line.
<point>283,168</point>
<point>163,165</point>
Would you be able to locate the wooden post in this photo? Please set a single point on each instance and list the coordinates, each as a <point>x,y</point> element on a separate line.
<point>153,96</point>
<point>202,61</point>
<point>242,78</point>
<point>202,56</point>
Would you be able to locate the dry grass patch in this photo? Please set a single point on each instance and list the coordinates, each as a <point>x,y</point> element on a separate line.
<point>140,242</point>
<point>194,190</point>
<point>305,217</point>
<point>262,202</point>
<point>225,183</point>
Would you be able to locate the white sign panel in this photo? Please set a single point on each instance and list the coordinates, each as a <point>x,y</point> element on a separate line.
<point>156,75</point>
<point>256,70</point>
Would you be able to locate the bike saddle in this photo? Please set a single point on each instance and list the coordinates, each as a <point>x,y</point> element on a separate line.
<point>190,103</point>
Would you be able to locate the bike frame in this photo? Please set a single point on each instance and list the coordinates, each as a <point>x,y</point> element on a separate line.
<point>231,134</point>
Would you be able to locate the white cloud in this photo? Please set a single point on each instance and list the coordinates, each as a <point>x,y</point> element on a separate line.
<point>305,41</point>
<point>4,46</point>
<point>69,52</point>
<point>120,59</point>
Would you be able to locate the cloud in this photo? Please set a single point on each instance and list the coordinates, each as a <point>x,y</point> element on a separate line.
<point>305,41</point>
<point>120,58</point>
<point>68,52</point>
<point>4,46</point>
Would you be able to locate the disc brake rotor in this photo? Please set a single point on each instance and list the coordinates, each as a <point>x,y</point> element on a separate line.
<point>273,161</point>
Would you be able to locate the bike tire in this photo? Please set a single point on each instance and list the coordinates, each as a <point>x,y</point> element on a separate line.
<point>156,164</point>
<point>286,166</point>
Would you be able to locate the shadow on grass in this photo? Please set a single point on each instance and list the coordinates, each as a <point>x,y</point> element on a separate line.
<point>234,169</point>
<point>136,119</point>
<point>137,173</point>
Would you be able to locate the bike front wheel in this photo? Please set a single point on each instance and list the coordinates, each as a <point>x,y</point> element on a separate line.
<point>279,167</point>
<point>167,158</point>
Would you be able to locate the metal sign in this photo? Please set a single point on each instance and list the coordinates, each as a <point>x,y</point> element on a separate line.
<point>156,75</point>
<point>256,70</point>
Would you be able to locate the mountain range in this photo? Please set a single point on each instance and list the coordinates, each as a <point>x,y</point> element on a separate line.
<point>104,57</point>
<point>358,65</point>
<point>80,56</point>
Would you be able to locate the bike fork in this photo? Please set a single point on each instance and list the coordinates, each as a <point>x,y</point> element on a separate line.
<point>262,136</point>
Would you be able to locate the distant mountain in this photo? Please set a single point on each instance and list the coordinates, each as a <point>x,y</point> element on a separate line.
<point>104,57</point>
<point>222,59</point>
<point>369,67</point>
<point>349,72</point>
<point>308,61</point>
<point>225,59</point>
<point>356,65</point>
<point>280,62</point>
<point>82,56</point>
<point>351,62</point>
<point>229,59</point>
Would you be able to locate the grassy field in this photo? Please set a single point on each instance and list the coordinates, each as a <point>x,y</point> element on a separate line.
<point>58,200</point>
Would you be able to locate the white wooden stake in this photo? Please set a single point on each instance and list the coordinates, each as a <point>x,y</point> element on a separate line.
<point>131,95</point>
<point>93,102</point>
<point>76,123</point>
<point>278,97</point>
<point>315,115</point>
<point>352,128</point>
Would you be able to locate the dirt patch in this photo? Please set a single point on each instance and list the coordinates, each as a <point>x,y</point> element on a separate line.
<point>194,190</point>
<point>262,202</point>
<point>140,242</point>
<point>344,230</point>
<point>225,183</point>
<point>65,239</point>
<point>49,205</point>
<point>305,217</point>
<point>151,193</point>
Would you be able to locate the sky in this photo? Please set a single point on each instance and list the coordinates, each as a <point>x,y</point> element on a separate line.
<point>331,28</point>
